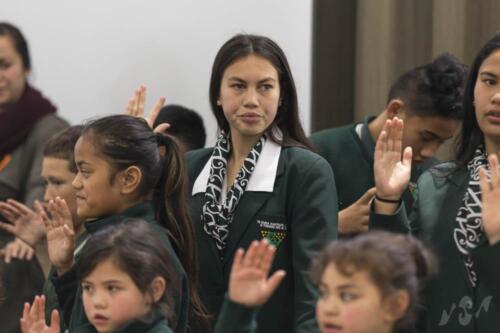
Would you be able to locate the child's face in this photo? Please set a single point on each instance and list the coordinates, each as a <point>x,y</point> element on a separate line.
<point>96,196</point>
<point>111,299</point>
<point>351,304</point>
<point>58,179</point>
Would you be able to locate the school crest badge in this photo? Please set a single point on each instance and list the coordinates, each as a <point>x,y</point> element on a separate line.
<point>273,229</point>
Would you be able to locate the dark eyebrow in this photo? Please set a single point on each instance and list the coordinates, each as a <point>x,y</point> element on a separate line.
<point>489,74</point>
<point>434,135</point>
<point>346,286</point>
<point>81,163</point>
<point>53,179</point>
<point>112,282</point>
<point>234,78</point>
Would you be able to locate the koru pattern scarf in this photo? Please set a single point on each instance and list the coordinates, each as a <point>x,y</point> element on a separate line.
<point>217,215</point>
<point>469,233</point>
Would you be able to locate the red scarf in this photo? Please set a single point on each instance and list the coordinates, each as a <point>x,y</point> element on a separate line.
<point>17,121</point>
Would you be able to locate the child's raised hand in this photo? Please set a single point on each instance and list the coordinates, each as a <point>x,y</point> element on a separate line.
<point>392,174</point>
<point>17,249</point>
<point>60,233</point>
<point>490,191</point>
<point>25,224</point>
<point>135,107</point>
<point>249,283</point>
<point>33,319</point>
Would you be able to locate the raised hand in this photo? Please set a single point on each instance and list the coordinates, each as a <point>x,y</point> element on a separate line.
<point>60,234</point>
<point>24,222</point>
<point>135,107</point>
<point>392,174</point>
<point>354,218</point>
<point>490,191</point>
<point>249,283</point>
<point>33,319</point>
<point>17,249</point>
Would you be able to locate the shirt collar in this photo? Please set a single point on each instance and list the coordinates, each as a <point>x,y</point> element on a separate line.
<point>262,178</point>
<point>366,137</point>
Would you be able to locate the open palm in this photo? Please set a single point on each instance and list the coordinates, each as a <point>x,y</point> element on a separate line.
<point>490,191</point>
<point>25,224</point>
<point>60,233</point>
<point>33,319</point>
<point>249,283</point>
<point>135,108</point>
<point>392,174</point>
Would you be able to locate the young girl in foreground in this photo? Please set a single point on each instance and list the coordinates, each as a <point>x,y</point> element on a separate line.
<point>369,284</point>
<point>125,171</point>
<point>123,278</point>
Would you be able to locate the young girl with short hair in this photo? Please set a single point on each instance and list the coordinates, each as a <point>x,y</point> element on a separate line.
<point>368,284</point>
<point>123,280</point>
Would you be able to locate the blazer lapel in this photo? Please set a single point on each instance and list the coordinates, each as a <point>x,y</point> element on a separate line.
<point>205,240</point>
<point>454,198</point>
<point>250,204</point>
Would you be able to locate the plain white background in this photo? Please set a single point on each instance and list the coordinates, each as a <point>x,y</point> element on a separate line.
<point>89,56</point>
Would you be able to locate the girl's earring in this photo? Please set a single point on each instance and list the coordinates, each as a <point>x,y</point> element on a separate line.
<point>218,102</point>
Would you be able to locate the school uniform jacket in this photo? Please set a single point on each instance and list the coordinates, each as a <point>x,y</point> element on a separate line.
<point>451,304</point>
<point>69,291</point>
<point>157,324</point>
<point>349,150</point>
<point>289,201</point>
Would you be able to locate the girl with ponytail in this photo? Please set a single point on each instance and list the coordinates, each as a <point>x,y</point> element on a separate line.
<point>125,170</point>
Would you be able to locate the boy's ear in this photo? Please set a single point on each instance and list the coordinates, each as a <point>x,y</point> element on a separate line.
<point>396,305</point>
<point>394,108</point>
<point>130,179</point>
<point>157,288</point>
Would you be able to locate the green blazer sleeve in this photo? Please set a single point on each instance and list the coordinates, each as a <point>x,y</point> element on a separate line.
<point>236,318</point>
<point>487,259</point>
<point>314,224</point>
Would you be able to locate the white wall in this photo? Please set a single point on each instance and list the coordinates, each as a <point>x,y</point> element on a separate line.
<point>88,56</point>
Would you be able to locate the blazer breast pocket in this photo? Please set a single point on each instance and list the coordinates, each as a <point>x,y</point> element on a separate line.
<point>273,228</point>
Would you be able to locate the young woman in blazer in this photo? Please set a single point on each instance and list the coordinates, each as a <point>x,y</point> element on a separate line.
<point>261,180</point>
<point>455,207</point>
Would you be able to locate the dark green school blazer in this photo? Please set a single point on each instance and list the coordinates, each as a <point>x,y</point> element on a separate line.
<point>69,291</point>
<point>351,159</point>
<point>451,304</point>
<point>297,216</point>
<point>156,324</point>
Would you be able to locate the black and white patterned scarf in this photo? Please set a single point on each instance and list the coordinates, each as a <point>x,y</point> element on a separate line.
<point>217,215</point>
<point>469,233</point>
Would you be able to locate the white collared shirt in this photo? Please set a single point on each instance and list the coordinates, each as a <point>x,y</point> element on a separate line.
<point>262,178</point>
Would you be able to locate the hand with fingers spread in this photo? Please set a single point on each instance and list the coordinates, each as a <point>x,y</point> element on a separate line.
<point>17,249</point>
<point>249,283</point>
<point>33,319</point>
<point>24,222</point>
<point>490,191</point>
<point>392,174</point>
<point>354,219</point>
<point>135,107</point>
<point>60,234</point>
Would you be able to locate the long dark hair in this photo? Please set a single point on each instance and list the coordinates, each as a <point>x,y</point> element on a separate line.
<point>135,248</point>
<point>287,118</point>
<point>20,43</point>
<point>128,141</point>
<point>393,262</point>
<point>471,135</point>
